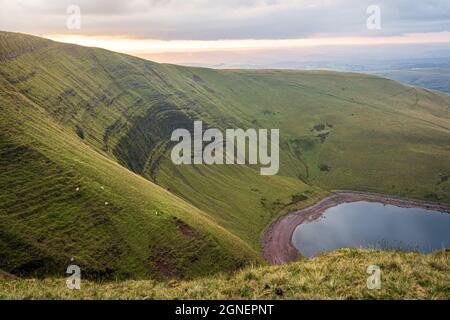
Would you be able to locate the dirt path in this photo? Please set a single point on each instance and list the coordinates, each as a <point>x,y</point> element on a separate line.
<point>277,247</point>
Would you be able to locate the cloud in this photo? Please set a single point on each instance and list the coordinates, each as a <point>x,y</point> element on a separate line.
<point>226,19</point>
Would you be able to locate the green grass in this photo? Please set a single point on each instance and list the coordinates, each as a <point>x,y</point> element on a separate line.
<point>118,225</point>
<point>83,117</point>
<point>338,275</point>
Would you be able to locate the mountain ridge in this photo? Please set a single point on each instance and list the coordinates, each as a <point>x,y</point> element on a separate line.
<point>70,112</point>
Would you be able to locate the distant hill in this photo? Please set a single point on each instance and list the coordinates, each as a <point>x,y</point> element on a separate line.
<point>76,117</point>
<point>431,78</point>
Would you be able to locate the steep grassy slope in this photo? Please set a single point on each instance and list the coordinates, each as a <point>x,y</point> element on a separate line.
<point>86,109</point>
<point>60,199</point>
<point>338,275</point>
<point>349,130</point>
<point>127,108</point>
<point>338,131</point>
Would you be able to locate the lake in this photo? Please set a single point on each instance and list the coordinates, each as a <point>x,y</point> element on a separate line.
<point>373,225</point>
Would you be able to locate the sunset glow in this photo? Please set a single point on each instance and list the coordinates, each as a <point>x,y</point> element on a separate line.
<point>145,46</point>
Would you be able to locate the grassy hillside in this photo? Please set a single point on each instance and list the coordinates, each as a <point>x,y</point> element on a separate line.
<point>338,275</point>
<point>338,131</point>
<point>72,115</point>
<point>60,199</point>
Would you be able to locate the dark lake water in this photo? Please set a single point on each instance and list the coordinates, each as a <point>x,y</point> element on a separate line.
<point>374,225</point>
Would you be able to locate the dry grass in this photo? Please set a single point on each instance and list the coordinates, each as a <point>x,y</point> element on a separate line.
<point>338,275</point>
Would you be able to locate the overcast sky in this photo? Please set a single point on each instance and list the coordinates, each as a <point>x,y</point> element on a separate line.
<point>225,19</point>
<point>211,20</point>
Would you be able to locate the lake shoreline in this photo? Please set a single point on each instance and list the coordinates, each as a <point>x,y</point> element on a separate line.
<point>277,246</point>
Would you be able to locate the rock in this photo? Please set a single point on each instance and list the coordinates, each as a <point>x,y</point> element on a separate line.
<point>279,292</point>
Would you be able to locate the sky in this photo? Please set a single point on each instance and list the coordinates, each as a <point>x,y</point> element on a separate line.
<point>229,30</point>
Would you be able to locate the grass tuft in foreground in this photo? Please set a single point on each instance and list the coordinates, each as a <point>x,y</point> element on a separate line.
<point>338,275</point>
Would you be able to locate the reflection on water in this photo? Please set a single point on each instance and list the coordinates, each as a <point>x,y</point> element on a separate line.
<point>374,225</point>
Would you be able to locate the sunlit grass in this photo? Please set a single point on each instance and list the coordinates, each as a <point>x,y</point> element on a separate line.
<point>338,275</point>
